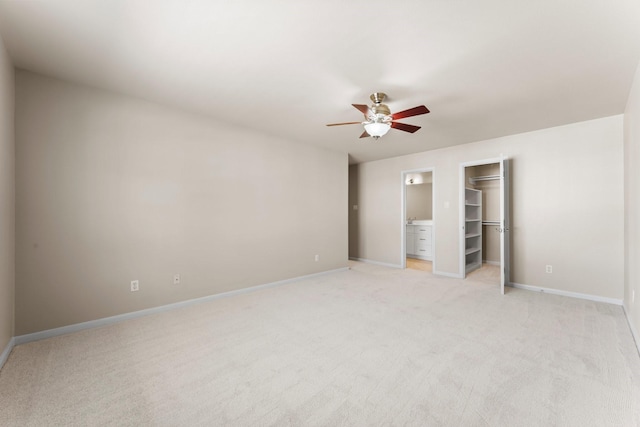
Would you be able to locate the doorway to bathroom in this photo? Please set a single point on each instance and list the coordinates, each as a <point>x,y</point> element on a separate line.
<point>418,222</point>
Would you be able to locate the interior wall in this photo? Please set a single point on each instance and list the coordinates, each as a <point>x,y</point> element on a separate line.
<point>7,199</point>
<point>566,196</point>
<point>112,189</point>
<point>632,207</point>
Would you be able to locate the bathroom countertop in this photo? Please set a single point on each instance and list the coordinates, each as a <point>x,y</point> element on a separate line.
<point>420,222</point>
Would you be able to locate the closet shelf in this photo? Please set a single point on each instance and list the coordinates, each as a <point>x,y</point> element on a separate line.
<point>475,179</point>
<point>472,266</point>
<point>473,228</point>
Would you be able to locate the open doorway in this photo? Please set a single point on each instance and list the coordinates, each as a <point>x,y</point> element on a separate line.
<point>418,223</point>
<point>484,217</point>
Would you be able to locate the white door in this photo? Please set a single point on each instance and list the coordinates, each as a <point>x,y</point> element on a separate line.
<point>505,224</point>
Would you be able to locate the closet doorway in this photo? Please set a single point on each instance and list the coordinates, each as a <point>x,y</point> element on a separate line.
<point>418,222</point>
<point>484,218</point>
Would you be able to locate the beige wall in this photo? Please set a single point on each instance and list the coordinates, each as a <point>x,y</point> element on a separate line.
<point>632,206</point>
<point>111,189</point>
<point>7,199</point>
<point>567,205</point>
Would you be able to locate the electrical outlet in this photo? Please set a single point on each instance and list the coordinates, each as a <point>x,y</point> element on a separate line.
<point>549,269</point>
<point>317,258</point>
<point>135,285</point>
<point>176,279</point>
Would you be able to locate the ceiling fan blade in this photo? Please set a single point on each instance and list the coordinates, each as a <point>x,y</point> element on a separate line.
<point>415,111</point>
<point>364,134</point>
<point>346,123</point>
<point>364,109</point>
<point>405,127</point>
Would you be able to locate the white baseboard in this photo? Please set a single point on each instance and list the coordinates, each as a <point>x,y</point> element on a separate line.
<point>484,261</point>
<point>368,261</point>
<point>567,293</point>
<point>384,264</point>
<point>445,274</point>
<point>634,333</point>
<point>23,339</point>
<point>7,350</point>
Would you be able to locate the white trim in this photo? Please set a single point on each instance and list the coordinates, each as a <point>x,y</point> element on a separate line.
<point>579,295</point>
<point>23,339</point>
<point>383,264</point>
<point>484,261</point>
<point>7,350</point>
<point>634,333</point>
<point>445,274</point>
<point>403,219</point>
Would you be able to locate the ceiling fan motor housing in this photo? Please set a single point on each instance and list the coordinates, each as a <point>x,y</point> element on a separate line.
<point>378,110</point>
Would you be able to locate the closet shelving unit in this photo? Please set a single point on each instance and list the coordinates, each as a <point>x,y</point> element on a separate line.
<point>474,179</point>
<point>473,229</point>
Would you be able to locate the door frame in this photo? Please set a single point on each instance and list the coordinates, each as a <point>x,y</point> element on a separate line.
<point>461,204</point>
<point>403,218</point>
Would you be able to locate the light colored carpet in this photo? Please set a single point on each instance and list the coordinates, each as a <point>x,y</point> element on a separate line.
<point>365,347</point>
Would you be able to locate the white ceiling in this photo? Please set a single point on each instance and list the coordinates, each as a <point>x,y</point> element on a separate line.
<point>485,68</point>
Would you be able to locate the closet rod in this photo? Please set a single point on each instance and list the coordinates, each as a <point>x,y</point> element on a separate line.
<point>490,222</point>
<point>473,179</point>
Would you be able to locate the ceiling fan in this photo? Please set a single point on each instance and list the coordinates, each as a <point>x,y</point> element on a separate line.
<point>378,117</point>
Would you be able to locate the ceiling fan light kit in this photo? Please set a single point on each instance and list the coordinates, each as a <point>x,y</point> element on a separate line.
<point>378,117</point>
<point>377,129</point>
